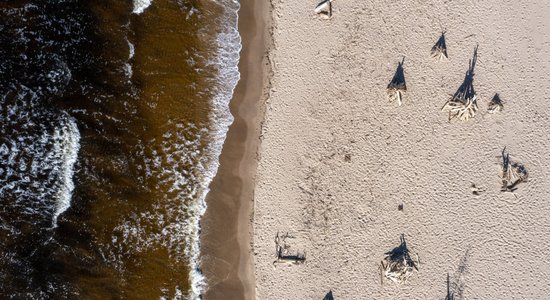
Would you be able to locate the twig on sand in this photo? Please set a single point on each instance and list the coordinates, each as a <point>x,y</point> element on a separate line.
<point>463,104</point>
<point>439,50</point>
<point>397,86</point>
<point>396,93</point>
<point>511,173</point>
<point>495,105</point>
<point>476,190</point>
<point>398,265</point>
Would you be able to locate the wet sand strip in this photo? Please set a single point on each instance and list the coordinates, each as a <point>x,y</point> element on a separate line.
<point>226,249</point>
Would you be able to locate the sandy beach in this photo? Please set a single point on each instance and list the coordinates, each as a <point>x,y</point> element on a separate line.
<point>226,237</point>
<point>337,159</point>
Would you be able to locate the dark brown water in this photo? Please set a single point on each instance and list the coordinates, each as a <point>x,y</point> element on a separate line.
<point>111,124</point>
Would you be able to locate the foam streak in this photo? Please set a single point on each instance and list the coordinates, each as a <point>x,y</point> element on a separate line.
<point>67,143</point>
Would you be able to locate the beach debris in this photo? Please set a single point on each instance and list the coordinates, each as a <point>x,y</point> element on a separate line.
<point>347,157</point>
<point>282,250</point>
<point>397,86</point>
<point>400,207</point>
<point>439,50</point>
<point>463,104</point>
<point>462,108</point>
<point>476,190</point>
<point>324,9</point>
<point>495,105</point>
<point>329,296</point>
<point>398,265</point>
<point>511,173</point>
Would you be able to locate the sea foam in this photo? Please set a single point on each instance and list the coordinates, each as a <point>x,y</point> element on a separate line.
<point>38,159</point>
<point>140,6</point>
<point>183,167</point>
<point>226,61</point>
<point>67,144</point>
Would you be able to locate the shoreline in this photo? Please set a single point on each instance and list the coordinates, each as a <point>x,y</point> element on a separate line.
<point>226,237</point>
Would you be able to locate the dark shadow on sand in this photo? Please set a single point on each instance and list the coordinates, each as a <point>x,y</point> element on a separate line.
<point>398,79</point>
<point>456,287</point>
<point>450,295</point>
<point>496,100</point>
<point>281,248</point>
<point>440,45</point>
<point>401,253</point>
<point>466,89</point>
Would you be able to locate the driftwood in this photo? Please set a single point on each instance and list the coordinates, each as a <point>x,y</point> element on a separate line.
<point>511,173</point>
<point>463,104</point>
<point>495,105</point>
<point>324,9</point>
<point>462,108</point>
<point>398,265</point>
<point>397,87</point>
<point>439,50</point>
<point>396,93</point>
<point>282,250</point>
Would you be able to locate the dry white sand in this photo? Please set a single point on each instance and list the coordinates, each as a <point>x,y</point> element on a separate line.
<point>328,101</point>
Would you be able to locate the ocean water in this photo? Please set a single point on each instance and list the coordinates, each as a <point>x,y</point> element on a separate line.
<point>112,118</point>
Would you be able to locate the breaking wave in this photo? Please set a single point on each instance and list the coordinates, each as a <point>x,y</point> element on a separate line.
<point>141,5</point>
<point>226,62</point>
<point>150,180</point>
<point>66,144</point>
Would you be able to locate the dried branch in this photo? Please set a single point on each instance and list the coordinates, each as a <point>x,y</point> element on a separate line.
<point>463,104</point>
<point>495,105</point>
<point>511,173</point>
<point>439,50</point>
<point>397,87</point>
<point>398,265</point>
